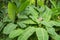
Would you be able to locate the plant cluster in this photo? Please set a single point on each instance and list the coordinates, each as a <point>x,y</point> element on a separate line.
<point>30,20</point>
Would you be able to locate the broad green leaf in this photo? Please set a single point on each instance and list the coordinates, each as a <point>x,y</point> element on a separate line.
<point>50,23</point>
<point>52,33</point>
<point>33,12</point>
<point>11,11</point>
<point>40,10</point>
<point>15,33</point>
<point>55,23</point>
<point>47,14</point>
<point>22,17</point>
<point>28,22</point>
<point>42,34</point>
<point>46,23</point>
<point>22,25</point>
<point>34,19</point>
<point>23,6</point>
<point>9,27</point>
<point>27,33</point>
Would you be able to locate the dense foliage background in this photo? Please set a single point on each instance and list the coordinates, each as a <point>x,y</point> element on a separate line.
<point>29,19</point>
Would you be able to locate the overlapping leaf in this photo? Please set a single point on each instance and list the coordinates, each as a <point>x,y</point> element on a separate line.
<point>51,23</point>
<point>9,27</point>
<point>15,33</point>
<point>27,33</point>
<point>42,34</point>
<point>33,12</point>
<point>28,22</point>
<point>52,33</point>
<point>47,14</point>
<point>22,25</point>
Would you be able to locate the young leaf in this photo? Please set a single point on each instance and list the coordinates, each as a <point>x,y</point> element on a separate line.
<point>15,33</point>
<point>42,34</point>
<point>10,27</point>
<point>27,33</point>
<point>11,11</point>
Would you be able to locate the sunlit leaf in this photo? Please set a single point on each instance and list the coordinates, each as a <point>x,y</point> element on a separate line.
<point>52,33</point>
<point>9,27</point>
<point>22,25</point>
<point>12,11</point>
<point>27,33</point>
<point>42,34</point>
<point>15,33</point>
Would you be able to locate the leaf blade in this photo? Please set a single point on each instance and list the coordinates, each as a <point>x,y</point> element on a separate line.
<point>41,34</point>
<point>9,27</point>
<point>27,33</point>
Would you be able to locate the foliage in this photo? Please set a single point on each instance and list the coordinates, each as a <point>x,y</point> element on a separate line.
<point>30,20</point>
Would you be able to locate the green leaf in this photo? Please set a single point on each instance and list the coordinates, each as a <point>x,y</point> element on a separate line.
<point>22,25</point>
<point>15,33</point>
<point>9,27</point>
<point>17,2</point>
<point>1,24</point>
<point>28,22</point>
<point>50,23</point>
<point>47,14</point>
<point>42,34</point>
<point>41,2</point>
<point>33,12</point>
<point>46,23</point>
<point>6,19</point>
<point>55,23</point>
<point>22,1</point>
<point>22,17</point>
<point>34,19</point>
<point>23,6</point>
<point>27,33</point>
<point>52,33</point>
<point>12,11</point>
<point>53,3</point>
